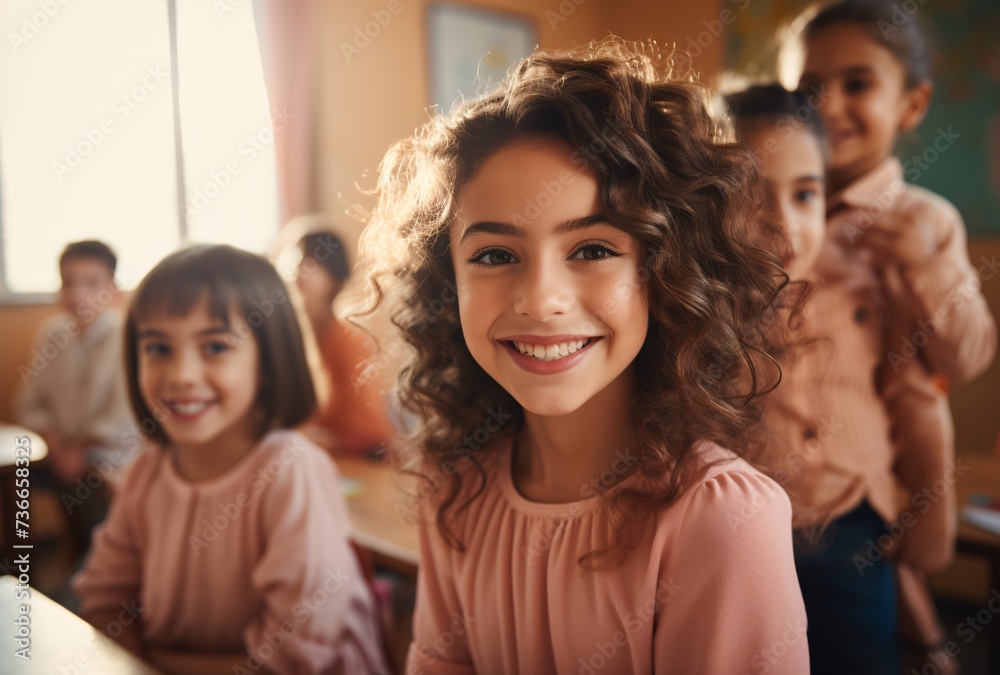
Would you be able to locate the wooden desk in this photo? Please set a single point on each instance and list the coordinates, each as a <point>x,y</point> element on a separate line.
<point>982,478</point>
<point>61,642</point>
<point>9,435</point>
<point>379,514</point>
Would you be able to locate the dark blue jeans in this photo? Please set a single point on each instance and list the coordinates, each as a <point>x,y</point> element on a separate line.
<point>848,584</point>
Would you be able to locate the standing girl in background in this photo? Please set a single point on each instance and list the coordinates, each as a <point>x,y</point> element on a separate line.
<point>828,418</point>
<point>571,260</point>
<point>229,537</point>
<point>868,67</point>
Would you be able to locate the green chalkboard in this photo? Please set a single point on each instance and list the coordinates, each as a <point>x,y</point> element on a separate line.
<point>966,100</point>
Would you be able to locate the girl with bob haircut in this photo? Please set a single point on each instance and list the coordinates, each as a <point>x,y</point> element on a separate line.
<point>870,67</point>
<point>574,261</point>
<point>230,532</point>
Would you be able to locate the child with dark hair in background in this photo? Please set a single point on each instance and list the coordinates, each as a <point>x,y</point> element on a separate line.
<point>75,397</point>
<point>230,534</point>
<point>828,404</point>
<point>866,71</point>
<point>354,420</point>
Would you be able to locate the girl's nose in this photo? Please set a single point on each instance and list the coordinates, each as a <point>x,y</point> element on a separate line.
<point>833,102</point>
<point>185,368</point>
<point>542,292</point>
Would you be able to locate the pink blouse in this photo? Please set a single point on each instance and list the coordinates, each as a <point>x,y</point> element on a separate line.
<point>257,559</point>
<point>712,590</point>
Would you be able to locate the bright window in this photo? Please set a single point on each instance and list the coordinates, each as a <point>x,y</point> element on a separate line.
<point>88,134</point>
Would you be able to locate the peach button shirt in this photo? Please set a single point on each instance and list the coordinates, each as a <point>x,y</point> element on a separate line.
<point>860,405</point>
<point>257,559</point>
<point>711,590</point>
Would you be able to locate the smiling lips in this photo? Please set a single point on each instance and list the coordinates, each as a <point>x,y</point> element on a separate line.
<point>548,355</point>
<point>838,136</point>
<point>551,352</point>
<point>187,409</point>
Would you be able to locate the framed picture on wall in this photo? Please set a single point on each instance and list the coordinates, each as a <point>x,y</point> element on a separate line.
<point>471,50</point>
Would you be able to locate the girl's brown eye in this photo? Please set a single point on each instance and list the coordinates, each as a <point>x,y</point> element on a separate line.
<point>855,86</point>
<point>493,257</point>
<point>593,252</point>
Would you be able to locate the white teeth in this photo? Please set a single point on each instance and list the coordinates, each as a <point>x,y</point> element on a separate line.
<point>551,352</point>
<point>188,408</point>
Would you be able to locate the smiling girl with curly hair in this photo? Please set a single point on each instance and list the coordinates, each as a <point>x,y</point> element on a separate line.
<point>576,261</point>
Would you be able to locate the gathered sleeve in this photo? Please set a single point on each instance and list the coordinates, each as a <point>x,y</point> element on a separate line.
<point>317,613</point>
<point>736,606</point>
<point>440,643</point>
<point>944,293</point>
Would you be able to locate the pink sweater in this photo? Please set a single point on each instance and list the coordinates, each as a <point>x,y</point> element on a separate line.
<point>712,590</point>
<point>257,559</point>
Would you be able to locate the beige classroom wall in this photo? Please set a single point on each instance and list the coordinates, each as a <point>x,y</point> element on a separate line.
<point>382,94</point>
<point>18,325</point>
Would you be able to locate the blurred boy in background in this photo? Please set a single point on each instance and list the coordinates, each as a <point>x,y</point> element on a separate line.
<point>74,392</point>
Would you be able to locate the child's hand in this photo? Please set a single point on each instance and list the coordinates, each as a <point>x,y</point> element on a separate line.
<point>899,239</point>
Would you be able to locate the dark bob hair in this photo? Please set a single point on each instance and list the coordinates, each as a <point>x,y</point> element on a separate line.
<point>234,282</point>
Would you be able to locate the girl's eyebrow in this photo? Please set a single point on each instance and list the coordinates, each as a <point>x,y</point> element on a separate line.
<point>215,330</point>
<point>862,69</point>
<point>151,333</point>
<point>511,230</point>
<point>811,178</point>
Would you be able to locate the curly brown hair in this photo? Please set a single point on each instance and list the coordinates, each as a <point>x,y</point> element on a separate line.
<point>670,176</point>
